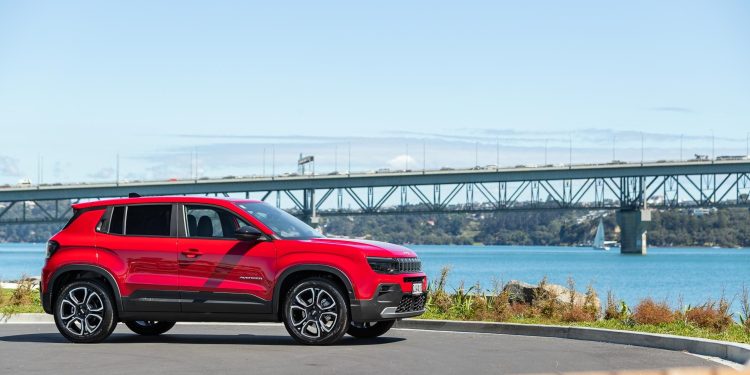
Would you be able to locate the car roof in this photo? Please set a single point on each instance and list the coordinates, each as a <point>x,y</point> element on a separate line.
<point>162,199</point>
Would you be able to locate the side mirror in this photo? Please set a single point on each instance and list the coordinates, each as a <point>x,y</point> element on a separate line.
<point>248,233</point>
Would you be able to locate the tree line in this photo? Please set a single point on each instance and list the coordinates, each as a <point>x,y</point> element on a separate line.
<point>726,227</point>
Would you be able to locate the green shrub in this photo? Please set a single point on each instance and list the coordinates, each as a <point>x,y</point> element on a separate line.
<point>501,309</point>
<point>612,311</point>
<point>545,301</point>
<point>462,301</point>
<point>24,293</point>
<point>745,306</point>
<point>439,300</point>
<point>589,302</point>
<point>480,306</point>
<point>571,291</point>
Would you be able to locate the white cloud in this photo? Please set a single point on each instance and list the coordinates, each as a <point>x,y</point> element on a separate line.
<point>402,162</point>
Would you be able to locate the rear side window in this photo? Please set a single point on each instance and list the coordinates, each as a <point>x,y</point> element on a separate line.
<point>147,220</point>
<point>116,222</point>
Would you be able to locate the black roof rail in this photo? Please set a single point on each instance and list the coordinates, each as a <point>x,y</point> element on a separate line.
<point>134,195</point>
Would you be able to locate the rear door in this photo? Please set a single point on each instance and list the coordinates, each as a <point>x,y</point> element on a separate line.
<point>217,272</point>
<point>142,239</point>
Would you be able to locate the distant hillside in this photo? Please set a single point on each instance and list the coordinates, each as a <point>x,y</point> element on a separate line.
<point>729,227</point>
<point>28,232</point>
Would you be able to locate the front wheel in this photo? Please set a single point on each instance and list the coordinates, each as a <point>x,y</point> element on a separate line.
<point>84,312</point>
<point>149,327</point>
<point>369,330</point>
<point>316,312</point>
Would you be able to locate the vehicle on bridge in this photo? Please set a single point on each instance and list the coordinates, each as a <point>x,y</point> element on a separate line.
<point>150,262</point>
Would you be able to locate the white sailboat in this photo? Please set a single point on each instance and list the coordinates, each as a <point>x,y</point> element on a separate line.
<point>599,243</point>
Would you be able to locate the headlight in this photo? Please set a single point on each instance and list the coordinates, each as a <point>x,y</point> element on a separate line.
<point>383,265</point>
<point>51,248</point>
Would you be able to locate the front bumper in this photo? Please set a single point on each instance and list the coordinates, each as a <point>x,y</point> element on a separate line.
<point>390,302</point>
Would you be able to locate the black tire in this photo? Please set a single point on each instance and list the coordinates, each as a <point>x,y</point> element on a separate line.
<point>84,312</point>
<point>316,312</point>
<point>149,327</point>
<point>369,330</point>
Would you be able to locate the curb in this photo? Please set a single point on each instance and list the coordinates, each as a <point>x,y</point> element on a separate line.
<point>26,318</point>
<point>733,352</point>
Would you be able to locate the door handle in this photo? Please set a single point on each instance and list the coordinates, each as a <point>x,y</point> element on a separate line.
<point>192,253</point>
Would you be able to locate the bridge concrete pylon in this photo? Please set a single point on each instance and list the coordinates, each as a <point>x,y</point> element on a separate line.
<point>634,225</point>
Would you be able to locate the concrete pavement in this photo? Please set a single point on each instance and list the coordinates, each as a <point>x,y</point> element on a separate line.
<point>266,348</point>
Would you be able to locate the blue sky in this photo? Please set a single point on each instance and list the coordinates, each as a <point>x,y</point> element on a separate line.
<point>81,82</point>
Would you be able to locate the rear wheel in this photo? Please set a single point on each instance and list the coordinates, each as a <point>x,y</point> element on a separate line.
<point>369,330</point>
<point>149,327</point>
<point>84,312</point>
<point>315,312</point>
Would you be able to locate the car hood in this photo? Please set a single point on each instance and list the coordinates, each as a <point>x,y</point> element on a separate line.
<point>369,248</point>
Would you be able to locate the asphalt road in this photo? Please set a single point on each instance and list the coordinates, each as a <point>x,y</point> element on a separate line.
<point>267,349</point>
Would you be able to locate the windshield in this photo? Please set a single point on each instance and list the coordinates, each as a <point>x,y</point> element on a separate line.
<point>281,223</point>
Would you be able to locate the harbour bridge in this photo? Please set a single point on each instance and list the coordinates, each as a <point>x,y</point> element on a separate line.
<point>633,189</point>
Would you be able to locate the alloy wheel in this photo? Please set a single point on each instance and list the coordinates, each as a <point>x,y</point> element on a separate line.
<point>82,311</point>
<point>313,313</point>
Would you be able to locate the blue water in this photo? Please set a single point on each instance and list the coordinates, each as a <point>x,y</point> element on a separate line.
<point>694,275</point>
<point>21,259</point>
<point>690,274</point>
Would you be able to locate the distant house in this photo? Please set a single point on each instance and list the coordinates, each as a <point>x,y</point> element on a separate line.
<point>702,211</point>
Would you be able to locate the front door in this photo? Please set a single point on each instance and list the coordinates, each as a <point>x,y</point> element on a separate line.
<point>217,272</point>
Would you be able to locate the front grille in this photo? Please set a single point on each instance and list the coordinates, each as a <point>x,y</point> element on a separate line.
<point>411,303</point>
<point>407,265</point>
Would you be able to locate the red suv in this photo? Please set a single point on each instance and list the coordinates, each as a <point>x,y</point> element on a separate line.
<point>150,262</point>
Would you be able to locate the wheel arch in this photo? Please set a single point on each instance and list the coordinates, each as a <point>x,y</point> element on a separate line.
<point>298,272</point>
<point>79,272</point>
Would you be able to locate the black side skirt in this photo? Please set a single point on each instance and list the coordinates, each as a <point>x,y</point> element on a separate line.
<point>199,305</point>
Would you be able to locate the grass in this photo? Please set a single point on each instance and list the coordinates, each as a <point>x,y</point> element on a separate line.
<point>24,299</point>
<point>745,306</point>
<point>554,306</point>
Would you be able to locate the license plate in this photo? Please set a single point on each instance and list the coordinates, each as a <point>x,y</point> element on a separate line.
<point>416,288</point>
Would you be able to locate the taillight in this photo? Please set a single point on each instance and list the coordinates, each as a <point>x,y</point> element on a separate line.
<point>52,246</point>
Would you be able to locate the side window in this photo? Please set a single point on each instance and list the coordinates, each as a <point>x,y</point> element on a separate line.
<point>117,220</point>
<point>211,222</point>
<point>148,220</point>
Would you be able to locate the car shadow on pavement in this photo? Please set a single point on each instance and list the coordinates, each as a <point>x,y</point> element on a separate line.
<point>239,339</point>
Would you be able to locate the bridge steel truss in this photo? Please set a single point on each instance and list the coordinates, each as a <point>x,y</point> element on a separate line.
<point>628,186</point>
